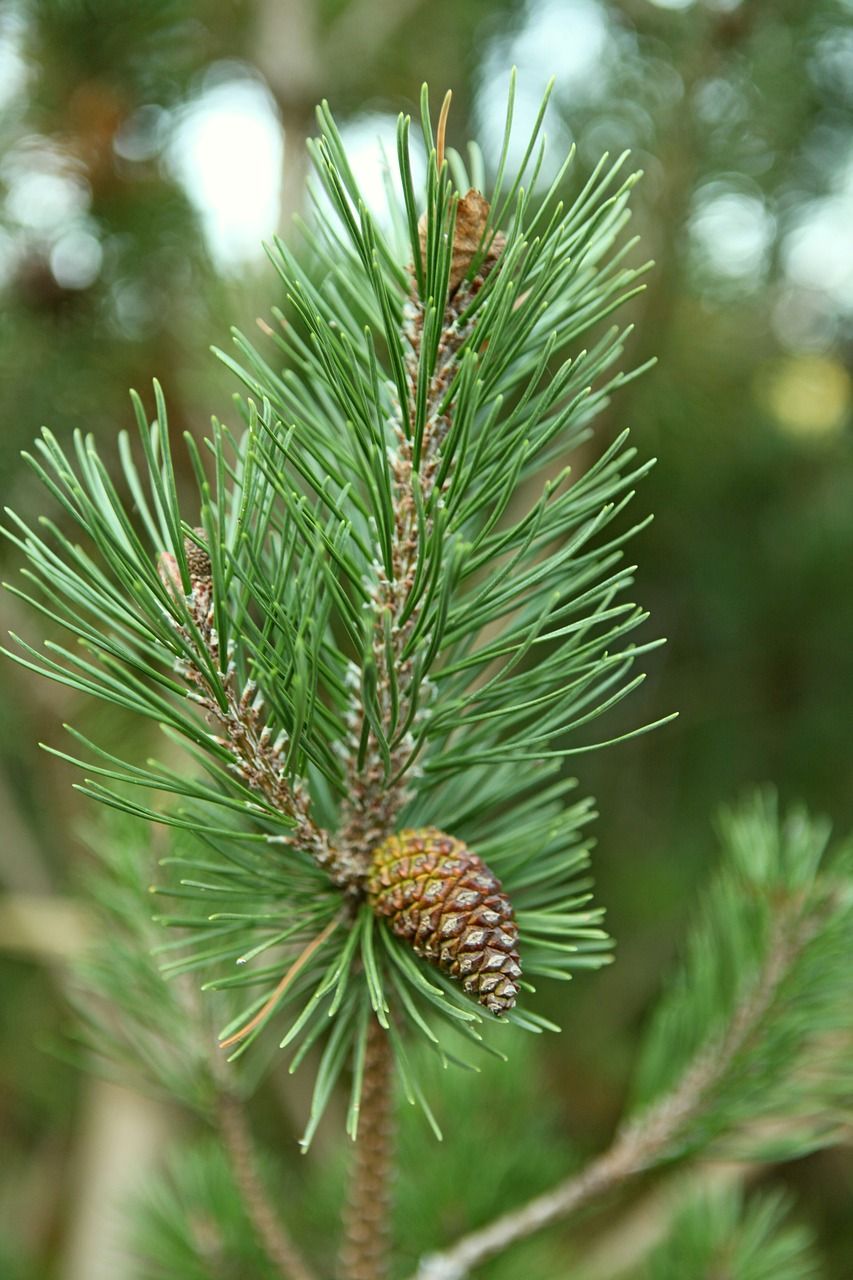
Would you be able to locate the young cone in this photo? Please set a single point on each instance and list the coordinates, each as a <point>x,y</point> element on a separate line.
<point>445,901</point>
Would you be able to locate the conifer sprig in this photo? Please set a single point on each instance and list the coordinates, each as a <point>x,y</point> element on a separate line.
<point>258,758</point>
<point>391,609</point>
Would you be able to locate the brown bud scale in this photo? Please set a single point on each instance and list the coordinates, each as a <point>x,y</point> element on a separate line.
<point>472,214</point>
<point>443,899</point>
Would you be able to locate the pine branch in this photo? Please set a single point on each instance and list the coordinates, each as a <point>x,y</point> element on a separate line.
<point>258,756</point>
<point>639,1147</point>
<point>271,1231</point>
<point>810,929</point>
<point>367,626</point>
<point>648,1139</point>
<point>367,1221</point>
<point>378,787</point>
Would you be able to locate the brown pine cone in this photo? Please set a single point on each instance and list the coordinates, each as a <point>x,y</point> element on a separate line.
<point>445,901</point>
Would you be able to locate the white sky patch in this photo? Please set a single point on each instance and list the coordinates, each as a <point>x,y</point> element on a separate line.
<point>227,152</point>
<point>371,146</point>
<point>366,139</point>
<point>14,71</point>
<point>76,258</point>
<point>44,191</point>
<point>8,258</point>
<point>566,40</point>
<point>818,252</point>
<point>733,231</point>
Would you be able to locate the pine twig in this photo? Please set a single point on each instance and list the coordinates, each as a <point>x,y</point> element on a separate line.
<point>644,1143</point>
<point>257,756</point>
<point>271,1232</point>
<point>373,804</point>
<point>377,788</point>
<point>364,1254</point>
<point>229,1114</point>
<point>377,793</point>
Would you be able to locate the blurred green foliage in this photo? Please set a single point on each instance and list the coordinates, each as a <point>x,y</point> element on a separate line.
<point>740,113</point>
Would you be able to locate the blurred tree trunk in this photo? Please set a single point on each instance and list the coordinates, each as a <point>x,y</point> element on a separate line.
<point>287,51</point>
<point>121,1138</point>
<point>300,61</point>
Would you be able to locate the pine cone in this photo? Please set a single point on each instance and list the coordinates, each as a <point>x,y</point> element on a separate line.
<point>445,901</point>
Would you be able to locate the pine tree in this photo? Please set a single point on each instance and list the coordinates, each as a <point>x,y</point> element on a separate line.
<point>378,630</point>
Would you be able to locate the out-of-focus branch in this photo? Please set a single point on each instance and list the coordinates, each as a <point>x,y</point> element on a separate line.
<point>362,29</point>
<point>119,1142</point>
<point>271,1231</point>
<point>645,1142</point>
<point>645,1224</point>
<point>42,926</point>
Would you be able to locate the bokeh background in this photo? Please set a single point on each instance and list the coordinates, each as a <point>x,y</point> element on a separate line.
<point>146,150</point>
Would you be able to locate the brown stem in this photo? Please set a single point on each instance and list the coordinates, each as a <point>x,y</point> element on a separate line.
<point>257,756</point>
<point>365,1250</point>
<point>645,1142</point>
<point>271,1232</point>
<point>374,802</point>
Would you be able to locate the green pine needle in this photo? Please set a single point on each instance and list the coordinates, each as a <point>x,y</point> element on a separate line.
<point>722,1234</point>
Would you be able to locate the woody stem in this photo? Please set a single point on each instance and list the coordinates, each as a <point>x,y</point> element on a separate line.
<point>365,1253</point>
<point>268,1226</point>
<point>374,803</point>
